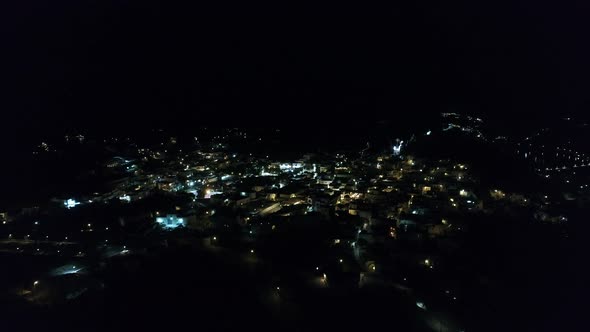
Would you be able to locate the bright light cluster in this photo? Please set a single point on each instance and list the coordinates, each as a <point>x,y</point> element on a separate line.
<point>171,221</point>
<point>70,203</point>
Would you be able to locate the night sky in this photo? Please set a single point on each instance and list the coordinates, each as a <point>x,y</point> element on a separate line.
<point>86,64</point>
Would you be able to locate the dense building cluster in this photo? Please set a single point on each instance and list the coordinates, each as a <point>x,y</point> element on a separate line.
<point>370,217</point>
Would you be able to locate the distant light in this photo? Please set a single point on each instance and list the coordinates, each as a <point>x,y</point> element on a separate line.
<point>317,268</point>
<point>428,133</point>
<point>341,260</point>
<point>427,262</point>
<point>251,251</point>
<point>421,305</point>
<point>36,283</point>
<point>70,203</point>
<point>215,238</point>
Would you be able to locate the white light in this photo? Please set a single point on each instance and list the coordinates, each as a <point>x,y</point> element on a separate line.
<point>70,203</point>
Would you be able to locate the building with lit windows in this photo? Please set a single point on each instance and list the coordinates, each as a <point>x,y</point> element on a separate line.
<point>171,221</point>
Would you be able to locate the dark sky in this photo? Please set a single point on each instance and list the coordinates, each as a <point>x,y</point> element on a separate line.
<point>94,63</point>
